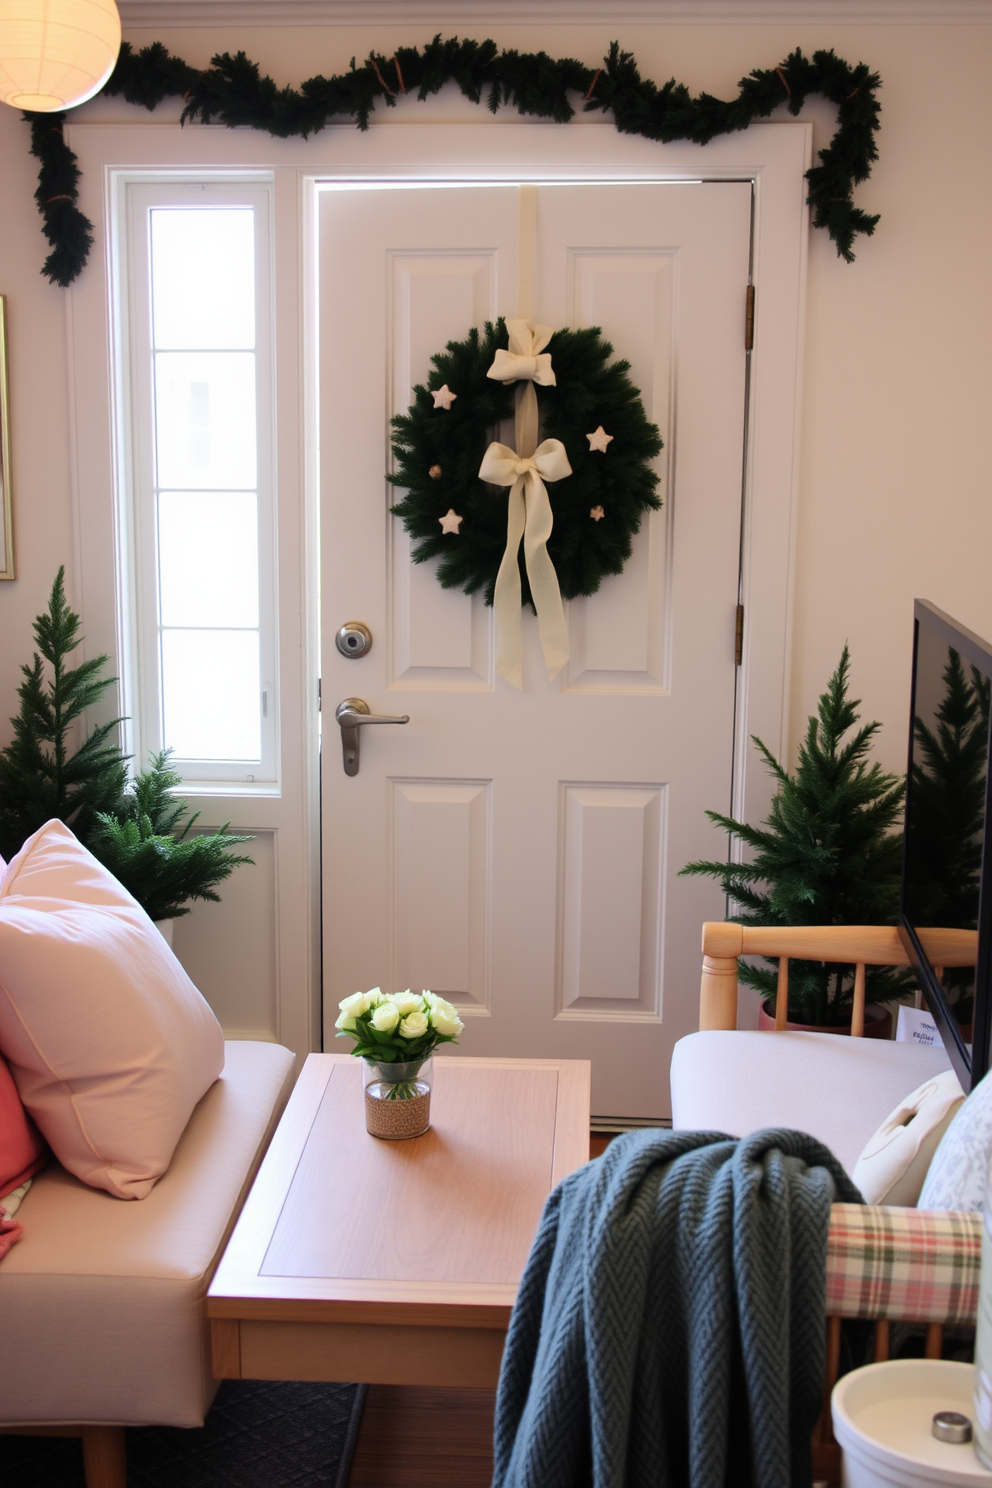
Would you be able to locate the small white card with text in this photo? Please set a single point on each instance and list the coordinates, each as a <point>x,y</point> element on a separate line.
<point>916,1026</point>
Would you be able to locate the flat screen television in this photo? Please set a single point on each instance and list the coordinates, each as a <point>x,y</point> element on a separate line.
<point>946,912</point>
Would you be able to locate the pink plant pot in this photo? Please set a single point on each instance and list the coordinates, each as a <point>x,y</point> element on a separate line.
<point>878,1023</point>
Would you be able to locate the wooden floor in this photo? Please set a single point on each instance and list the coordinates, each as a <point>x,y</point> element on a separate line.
<point>413,1437</point>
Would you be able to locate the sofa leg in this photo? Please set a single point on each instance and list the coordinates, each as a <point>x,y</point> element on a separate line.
<point>104,1460</point>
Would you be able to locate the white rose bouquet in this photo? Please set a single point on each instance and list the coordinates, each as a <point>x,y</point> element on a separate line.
<point>397,1030</point>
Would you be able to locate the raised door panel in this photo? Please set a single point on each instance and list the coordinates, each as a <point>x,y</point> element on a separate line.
<point>441,890</point>
<point>440,638</point>
<point>618,636</point>
<point>611,857</point>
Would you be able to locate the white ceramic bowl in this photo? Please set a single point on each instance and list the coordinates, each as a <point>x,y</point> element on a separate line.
<point>883,1420</point>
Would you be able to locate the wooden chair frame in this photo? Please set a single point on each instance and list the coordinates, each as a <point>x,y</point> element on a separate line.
<point>860,946</point>
<point>857,945</point>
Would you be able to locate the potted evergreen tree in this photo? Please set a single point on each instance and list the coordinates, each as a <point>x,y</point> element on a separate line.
<point>140,831</point>
<point>41,776</point>
<point>827,854</point>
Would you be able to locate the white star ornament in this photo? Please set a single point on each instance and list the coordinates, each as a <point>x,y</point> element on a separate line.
<point>444,397</point>
<point>451,521</point>
<point>599,440</point>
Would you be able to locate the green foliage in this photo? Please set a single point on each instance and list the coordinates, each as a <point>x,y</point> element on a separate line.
<point>135,830</point>
<point>163,867</point>
<point>826,855</point>
<point>68,231</point>
<point>589,390</point>
<point>41,776</point>
<point>233,91</point>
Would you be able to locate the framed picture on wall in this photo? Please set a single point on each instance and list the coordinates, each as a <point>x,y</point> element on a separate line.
<point>6,499</point>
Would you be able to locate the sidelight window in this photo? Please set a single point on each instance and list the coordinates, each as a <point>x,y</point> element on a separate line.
<point>197,399</point>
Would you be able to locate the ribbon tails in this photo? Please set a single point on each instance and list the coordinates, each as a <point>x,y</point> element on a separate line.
<point>529,515</point>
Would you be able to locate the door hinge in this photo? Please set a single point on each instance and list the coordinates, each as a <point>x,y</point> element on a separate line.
<point>749,319</point>
<point>739,636</point>
<point>318,695</point>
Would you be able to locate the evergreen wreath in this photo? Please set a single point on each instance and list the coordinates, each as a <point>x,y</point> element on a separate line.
<point>597,509</point>
<point>233,91</point>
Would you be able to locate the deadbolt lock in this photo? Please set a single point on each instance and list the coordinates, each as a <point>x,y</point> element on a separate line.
<point>354,639</point>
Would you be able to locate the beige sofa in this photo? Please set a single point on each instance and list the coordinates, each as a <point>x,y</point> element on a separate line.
<point>102,1310</point>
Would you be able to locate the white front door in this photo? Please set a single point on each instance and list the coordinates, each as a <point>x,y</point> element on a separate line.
<point>518,851</point>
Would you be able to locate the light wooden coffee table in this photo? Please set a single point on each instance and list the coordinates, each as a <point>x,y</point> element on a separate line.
<point>395,1263</point>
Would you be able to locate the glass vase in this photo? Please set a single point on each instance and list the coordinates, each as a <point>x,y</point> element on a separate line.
<point>398,1098</point>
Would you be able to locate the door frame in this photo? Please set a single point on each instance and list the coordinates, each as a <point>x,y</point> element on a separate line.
<point>773,156</point>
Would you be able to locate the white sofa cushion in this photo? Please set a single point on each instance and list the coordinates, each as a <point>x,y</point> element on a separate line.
<point>836,1088</point>
<point>894,1162</point>
<point>102,1311</point>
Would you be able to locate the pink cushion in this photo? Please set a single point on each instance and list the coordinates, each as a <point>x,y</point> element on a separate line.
<point>109,1042</point>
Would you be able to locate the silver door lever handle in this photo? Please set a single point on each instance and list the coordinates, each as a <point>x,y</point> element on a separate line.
<point>352,714</point>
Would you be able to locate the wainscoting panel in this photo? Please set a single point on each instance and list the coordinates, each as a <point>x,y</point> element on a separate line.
<point>229,949</point>
<point>611,850</point>
<point>441,888</point>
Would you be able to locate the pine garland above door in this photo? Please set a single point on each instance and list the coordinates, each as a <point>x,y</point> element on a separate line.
<point>233,91</point>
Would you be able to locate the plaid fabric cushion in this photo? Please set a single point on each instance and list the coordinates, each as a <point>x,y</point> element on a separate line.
<point>917,1265</point>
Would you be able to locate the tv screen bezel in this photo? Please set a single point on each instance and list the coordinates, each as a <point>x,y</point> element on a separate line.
<point>970,1068</point>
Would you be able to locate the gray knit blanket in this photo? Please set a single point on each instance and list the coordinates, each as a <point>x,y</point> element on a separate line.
<point>669,1329</point>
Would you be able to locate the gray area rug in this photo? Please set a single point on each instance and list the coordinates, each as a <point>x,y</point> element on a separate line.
<point>257,1435</point>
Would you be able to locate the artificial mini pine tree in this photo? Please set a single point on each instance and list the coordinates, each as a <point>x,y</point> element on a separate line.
<point>133,830</point>
<point>826,855</point>
<point>41,775</point>
<point>161,865</point>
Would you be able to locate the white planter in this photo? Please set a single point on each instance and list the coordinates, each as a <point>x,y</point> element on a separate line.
<point>883,1419</point>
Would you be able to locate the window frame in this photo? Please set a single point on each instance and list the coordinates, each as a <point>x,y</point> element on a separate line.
<point>138,196</point>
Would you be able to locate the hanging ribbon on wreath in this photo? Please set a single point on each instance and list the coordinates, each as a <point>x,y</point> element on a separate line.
<point>529,517</point>
<point>597,455</point>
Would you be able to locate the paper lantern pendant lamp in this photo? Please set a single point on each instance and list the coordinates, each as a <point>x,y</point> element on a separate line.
<point>56,53</point>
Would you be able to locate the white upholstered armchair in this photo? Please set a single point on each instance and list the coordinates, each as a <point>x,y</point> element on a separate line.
<point>883,1264</point>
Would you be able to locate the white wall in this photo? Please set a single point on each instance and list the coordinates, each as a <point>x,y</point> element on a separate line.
<point>894,498</point>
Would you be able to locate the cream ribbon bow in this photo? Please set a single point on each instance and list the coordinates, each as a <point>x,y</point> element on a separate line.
<point>528,517</point>
<point>526,357</point>
<point>526,362</point>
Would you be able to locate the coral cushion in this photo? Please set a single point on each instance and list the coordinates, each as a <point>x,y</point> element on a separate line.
<point>109,1042</point>
<point>22,1151</point>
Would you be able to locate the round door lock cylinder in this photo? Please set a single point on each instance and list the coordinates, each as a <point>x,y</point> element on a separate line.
<point>354,639</point>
